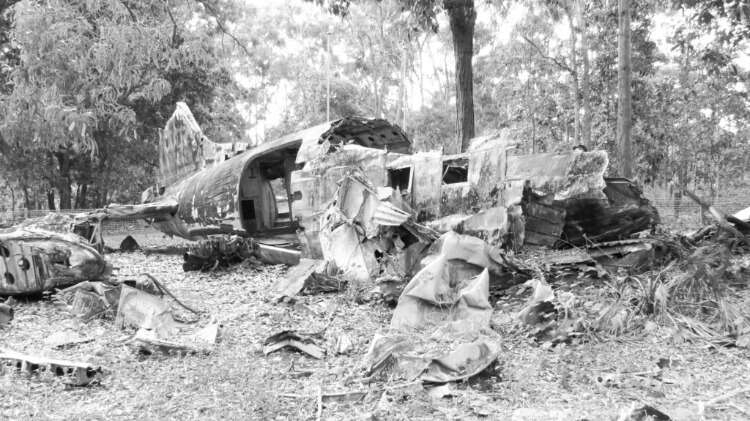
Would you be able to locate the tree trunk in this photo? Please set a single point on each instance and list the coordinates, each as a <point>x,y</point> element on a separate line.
<point>624,112</point>
<point>26,203</point>
<point>81,196</point>
<point>585,81</point>
<point>574,76</point>
<point>63,181</point>
<point>462,16</point>
<point>51,199</point>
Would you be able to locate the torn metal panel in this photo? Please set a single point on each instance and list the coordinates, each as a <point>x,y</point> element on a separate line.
<point>564,175</point>
<point>487,166</point>
<point>426,185</point>
<point>344,247</point>
<point>490,225</point>
<point>33,261</point>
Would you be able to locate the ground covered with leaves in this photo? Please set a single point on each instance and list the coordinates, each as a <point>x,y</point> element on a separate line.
<point>595,376</point>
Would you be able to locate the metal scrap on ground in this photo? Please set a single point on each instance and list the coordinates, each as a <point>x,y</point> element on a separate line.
<point>76,373</point>
<point>290,339</point>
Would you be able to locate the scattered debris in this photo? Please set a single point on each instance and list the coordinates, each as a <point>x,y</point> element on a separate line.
<point>351,396</point>
<point>89,300</point>
<point>66,339</point>
<point>344,344</point>
<point>76,373</point>
<point>465,361</point>
<point>309,276</point>
<point>291,339</point>
<point>217,252</point>
<point>129,244</point>
<point>643,413</point>
<point>168,250</point>
<point>202,340</point>
<point>141,309</point>
<point>6,314</point>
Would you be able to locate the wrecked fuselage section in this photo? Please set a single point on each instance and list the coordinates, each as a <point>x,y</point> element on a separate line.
<point>33,261</point>
<point>553,200</point>
<point>248,194</point>
<point>288,188</point>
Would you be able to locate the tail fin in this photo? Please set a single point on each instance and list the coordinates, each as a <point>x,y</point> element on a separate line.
<point>183,148</point>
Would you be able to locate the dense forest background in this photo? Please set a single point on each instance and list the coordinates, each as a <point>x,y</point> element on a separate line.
<point>85,86</point>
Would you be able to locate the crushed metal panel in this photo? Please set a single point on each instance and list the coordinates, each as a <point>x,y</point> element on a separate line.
<point>564,175</point>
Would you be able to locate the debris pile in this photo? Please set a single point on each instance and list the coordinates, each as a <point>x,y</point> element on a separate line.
<point>440,330</point>
<point>368,232</point>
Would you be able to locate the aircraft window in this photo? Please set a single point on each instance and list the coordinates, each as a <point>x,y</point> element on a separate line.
<point>399,178</point>
<point>455,171</point>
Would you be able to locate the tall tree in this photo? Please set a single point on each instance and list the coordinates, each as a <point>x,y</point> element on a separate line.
<point>462,17</point>
<point>624,74</point>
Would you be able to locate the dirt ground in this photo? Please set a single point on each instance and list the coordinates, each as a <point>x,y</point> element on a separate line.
<point>596,380</point>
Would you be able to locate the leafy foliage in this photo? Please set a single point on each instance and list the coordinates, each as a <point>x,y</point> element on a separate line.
<point>94,84</point>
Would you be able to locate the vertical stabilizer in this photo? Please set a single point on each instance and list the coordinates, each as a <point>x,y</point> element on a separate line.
<point>183,148</point>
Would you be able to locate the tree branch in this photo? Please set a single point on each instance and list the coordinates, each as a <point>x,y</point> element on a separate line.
<point>559,63</point>
<point>174,26</point>
<point>221,26</point>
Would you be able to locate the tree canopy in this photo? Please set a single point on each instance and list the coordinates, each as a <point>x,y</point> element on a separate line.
<point>86,86</point>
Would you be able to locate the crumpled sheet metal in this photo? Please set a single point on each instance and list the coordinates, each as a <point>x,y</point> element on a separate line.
<point>563,175</point>
<point>357,232</point>
<point>344,247</point>
<point>440,328</point>
<point>431,299</point>
<point>464,362</point>
<point>404,356</point>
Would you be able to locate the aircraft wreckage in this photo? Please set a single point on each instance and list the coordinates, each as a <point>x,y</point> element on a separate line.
<point>283,192</point>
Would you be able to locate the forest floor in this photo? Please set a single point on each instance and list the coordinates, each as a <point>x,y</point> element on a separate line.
<point>597,379</point>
